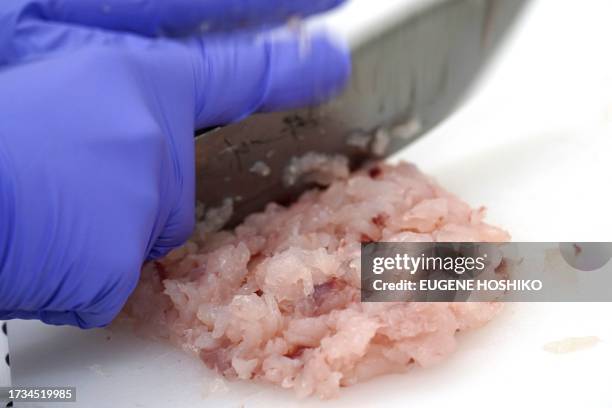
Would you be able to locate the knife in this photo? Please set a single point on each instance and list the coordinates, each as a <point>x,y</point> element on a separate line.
<point>413,62</point>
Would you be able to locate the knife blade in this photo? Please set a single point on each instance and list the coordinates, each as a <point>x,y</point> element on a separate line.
<point>413,62</point>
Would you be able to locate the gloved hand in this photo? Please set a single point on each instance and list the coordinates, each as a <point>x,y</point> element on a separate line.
<point>97,117</point>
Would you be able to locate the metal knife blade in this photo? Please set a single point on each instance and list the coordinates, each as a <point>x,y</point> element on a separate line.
<point>411,67</point>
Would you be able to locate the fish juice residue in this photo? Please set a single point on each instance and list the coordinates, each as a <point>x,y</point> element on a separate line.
<point>571,344</point>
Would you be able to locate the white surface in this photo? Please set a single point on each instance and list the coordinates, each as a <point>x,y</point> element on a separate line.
<point>534,145</point>
<point>359,20</point>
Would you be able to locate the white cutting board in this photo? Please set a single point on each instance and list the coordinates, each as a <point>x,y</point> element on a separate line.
<point>534,144</point>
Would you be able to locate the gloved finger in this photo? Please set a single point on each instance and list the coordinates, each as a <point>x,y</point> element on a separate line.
<point>154,17</point>
<point>235,74</point>
<point>239,75</point>
<point>181,222</point>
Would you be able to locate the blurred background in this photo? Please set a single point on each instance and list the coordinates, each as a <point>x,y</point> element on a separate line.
<point>533,143</point>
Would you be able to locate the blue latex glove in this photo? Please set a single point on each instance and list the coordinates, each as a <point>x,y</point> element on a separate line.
<point>97,116</point>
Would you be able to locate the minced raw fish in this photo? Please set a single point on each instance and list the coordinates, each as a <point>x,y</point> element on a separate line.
<point>277,298</point>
